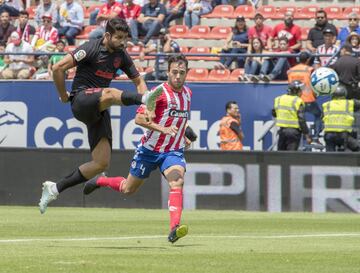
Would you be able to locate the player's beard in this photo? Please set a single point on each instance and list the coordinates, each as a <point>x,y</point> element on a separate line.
<point>112,46</point>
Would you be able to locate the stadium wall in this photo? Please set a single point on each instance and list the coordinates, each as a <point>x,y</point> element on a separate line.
<point>31,115</point>
<point>255,181</point>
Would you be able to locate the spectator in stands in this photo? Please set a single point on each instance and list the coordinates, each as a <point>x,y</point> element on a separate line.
<point>17,4</point>
<point>288,30</point>
<point>276,68</point>
<point>166,45</point>
<point>354,40</point>
<point>18,65</point>
<point>9,9</point>
<point>148,23</point>
<point>229,2</point>
<point>328,47</point>
<point>6,28</point>
<point>253,64</point>
<point>46,7</point>
<point>107,11</point>
<point>260,30</point>
<point>60,47</point>
<point>352,27</point>
<point>2,62</point>
<point>316,36</point>
<point>174,9</point>
<point>71,20</point>
<point>237,42</point>
<point>302,72</point>
<point>348,69</point>
<point>46,36</point>
<point>130,11</point>
<point>24,28</point>
<point>194,9</point>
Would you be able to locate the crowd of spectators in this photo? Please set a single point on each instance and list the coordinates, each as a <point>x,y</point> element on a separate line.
<point>56,26</point>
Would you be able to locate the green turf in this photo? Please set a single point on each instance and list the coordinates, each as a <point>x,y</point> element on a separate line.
<point>260,242</point>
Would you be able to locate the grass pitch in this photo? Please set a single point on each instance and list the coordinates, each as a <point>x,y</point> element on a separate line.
<point>131,240</point>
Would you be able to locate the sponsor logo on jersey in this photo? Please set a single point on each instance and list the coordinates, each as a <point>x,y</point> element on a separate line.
<point>178,113</point>
<point>81,54</point>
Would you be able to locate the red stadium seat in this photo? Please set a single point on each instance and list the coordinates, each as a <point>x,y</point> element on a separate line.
<point>268,11</point>
<point>349,10</point>
<point>84,34</point>
<point>201,50</point>
<point>178,31</point>
<point>199,32</point>
<point>244,10</point>
<point>134,51</point>
<point>282,10</point>
<point>184,49</point>
<point>304,33</point>
<point>307,12</point>
<point>220,11</point>
<point>219,75</point>
<point>234,76</point>
<point>31,10</point>
<point>197,74</point>
<point>91,9</point>
<point>70,48</point>
<point>219,32</point>
<point>334,12</point>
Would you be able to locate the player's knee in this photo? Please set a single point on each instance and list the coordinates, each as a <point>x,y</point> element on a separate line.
<point>177,182</point>
<point>128,190</point>
<point>102,166</point>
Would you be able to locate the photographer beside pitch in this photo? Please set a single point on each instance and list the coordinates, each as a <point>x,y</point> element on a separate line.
<point>162,146</point>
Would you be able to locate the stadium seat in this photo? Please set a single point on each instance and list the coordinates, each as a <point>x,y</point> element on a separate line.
<point>84,34</point>
<point>307,12</point>
<point>31,10</point>
<point>234,76</point>
<point>282,10</point>
<point>134,51</point>
<point>178,31</point>
<point>201,50</point>
<point>219,32</point>
<point>220,11</point>
<point>268,11</point>
<point>197,74</point>
<point>244,10</point>
<point>334,12</point>
<point>149,69</point>
<point>184,49</point>
<point>91,9</point>
<point>219,75</point>
<point>304,33</point>
<point>199,32</point>
<point>349,10</point>
<point>70,48</point>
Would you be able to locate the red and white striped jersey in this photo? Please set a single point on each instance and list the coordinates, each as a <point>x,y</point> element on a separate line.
<point>48,35</point>
<point>172,108</point>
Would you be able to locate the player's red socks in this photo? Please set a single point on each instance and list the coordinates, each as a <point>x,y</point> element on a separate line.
<point>175,206</point>
<point>113,182</point>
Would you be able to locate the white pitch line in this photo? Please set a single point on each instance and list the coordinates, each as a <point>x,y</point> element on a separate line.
<point>289,236</point>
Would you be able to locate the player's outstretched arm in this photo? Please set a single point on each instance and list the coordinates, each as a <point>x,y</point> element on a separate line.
<point>141,119</point>
<point>58,71</point>
<point>140,85</point>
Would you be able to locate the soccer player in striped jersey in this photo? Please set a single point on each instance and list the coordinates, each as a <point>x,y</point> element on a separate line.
<point>161,146</point>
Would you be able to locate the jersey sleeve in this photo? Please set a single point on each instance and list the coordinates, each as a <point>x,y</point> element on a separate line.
<point>128,67</point>
<point>84,53</point>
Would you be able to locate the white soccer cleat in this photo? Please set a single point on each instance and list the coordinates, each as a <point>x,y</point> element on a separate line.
<point>47,196</point>
<point>151,96</point>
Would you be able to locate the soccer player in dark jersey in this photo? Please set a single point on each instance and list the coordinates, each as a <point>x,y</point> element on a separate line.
<point>97,62</point>
<point>162,146</point>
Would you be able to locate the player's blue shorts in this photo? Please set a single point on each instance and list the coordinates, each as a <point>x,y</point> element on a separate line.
<point>145,161</point>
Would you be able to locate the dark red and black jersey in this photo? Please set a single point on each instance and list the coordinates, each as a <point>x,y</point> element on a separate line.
<point>96,67</point>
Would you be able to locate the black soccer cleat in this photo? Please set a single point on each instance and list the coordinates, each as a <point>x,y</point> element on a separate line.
<point>177,232</point>
<point>91,185</point>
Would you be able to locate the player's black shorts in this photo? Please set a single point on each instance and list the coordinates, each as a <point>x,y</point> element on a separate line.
<point>85,107</point>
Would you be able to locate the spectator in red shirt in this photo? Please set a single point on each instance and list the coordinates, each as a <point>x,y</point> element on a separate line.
<point>46,36</point>
<point>107,11</point>
<point>174,9</point>
<point>130,11</point>
<point>259,30</point>
<point>288,30</point>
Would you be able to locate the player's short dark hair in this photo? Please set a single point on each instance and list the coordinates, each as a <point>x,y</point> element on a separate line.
<point>321,11</point>
<point>117,24</point>
<point>24,12</point>
<point>229,103</point>
<point>176,58</point>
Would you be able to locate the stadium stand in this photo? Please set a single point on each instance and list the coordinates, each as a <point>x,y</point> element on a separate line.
<point>219,32</point>
<point>178,31</point>
<point>234,76</point>
<point>199,32</point>
<point>244,10</point>
<point>84,34</point>
<point>219,75</point>
<point>334,12</point>
<point>197,74</point>
<point>221,11</point>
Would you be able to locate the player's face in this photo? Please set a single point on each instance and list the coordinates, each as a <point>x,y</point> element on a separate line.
<point>116,41</point>
<point>234,111</point>
<point>177,75</point>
